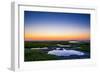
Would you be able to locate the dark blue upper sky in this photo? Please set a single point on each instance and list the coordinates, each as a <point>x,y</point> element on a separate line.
<point>73,19</point>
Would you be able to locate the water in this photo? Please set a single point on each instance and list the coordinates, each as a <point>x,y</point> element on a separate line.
<point>64,52</point>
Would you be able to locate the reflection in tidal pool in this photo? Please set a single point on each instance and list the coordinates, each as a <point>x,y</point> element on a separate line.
<point>64,52</point>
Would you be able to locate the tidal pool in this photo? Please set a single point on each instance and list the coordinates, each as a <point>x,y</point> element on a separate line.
<point>64,52</point>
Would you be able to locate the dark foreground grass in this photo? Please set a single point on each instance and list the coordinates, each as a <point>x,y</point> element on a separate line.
<point>37,55</point>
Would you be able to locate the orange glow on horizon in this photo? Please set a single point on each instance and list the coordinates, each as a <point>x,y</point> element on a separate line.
<point>56,37</point>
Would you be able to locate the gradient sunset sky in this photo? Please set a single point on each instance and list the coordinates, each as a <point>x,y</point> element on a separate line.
<point>56,26</point>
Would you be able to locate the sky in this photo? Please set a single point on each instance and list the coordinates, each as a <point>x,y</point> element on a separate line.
<point>56,26</point>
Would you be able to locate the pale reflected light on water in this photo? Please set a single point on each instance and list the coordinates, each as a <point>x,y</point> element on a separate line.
<point>64,52</point>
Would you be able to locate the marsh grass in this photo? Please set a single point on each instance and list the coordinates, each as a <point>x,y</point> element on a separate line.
<point>37,55</point>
